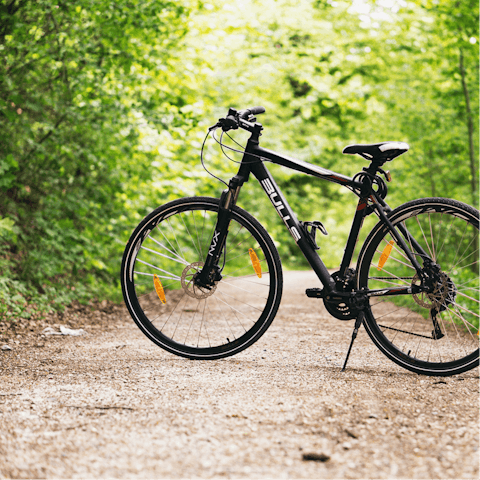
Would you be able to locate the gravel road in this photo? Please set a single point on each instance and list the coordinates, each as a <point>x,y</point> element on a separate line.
<point>110,404</point>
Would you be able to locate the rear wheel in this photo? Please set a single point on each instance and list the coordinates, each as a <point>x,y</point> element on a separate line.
<point>434,333</point>
<point>166,252</point>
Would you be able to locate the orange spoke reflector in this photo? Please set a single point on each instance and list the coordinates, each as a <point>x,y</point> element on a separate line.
<point>385,254</point>
<point>255,262</point>
<point>159,289</point>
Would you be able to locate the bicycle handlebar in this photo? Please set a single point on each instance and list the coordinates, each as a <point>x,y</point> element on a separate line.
<point>244,119</point>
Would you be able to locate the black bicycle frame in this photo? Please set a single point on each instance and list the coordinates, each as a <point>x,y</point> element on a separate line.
<point>253,162</point>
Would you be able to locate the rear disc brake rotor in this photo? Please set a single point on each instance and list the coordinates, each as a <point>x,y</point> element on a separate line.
<point>444,293</point>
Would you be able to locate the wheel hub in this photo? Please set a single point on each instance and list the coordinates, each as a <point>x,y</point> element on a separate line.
<point>442,294</point>
<point>189,286</point>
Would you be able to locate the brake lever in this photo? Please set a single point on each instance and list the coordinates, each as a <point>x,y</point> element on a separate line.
<point>232,122</point>
<point>214,127</point>
<point>225,124</point>
<point>229,123</point>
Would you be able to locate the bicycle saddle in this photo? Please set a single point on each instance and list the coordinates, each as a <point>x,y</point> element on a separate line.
<point>377,151</point>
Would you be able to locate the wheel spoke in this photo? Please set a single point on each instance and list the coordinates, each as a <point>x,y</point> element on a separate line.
<point>447,235</point>
<point>390,258</point>
<point>470,298</point>
<point>172,276</point>
<point>460,243</point>
<point>423,234</point>
<point>464,258</point>
<point>245,290</point>
<point>234,310</point>
<point>431,236</point>
<point>201,325</point>
<point>389,273</point>
<point>178,260</point>
<point>226,320</point>
<point>452,322</point>
<point>468,326</point>
<point>191,238</point>
<point>191,323</point>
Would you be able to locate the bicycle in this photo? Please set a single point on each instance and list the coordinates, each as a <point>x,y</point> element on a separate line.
<point>202,278</point>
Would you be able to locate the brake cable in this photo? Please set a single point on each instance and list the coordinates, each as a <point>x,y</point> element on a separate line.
<point>203,163</point>
<point>223,146</point>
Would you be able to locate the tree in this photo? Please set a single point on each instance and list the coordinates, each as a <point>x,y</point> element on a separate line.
<point>76,80</point>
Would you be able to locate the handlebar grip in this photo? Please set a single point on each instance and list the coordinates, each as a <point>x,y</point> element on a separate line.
<point>257,110</point>
<point>251,111</point>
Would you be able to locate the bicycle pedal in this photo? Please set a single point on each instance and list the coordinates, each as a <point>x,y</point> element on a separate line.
<point>314,292</point>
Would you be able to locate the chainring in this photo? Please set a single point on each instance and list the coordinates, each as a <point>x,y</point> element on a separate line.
<point>339,307</point>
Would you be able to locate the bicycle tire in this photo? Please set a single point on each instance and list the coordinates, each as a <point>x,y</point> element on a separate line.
<point>403,327</point>
<point>172,243</point>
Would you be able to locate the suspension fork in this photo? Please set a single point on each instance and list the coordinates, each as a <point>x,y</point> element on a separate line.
<point>211,271</point>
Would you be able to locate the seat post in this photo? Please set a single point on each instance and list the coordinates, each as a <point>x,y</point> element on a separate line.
<point>374,166</point>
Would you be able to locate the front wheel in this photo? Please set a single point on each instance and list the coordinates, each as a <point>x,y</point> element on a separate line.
<point>164,254</point>
<point>435,332</point>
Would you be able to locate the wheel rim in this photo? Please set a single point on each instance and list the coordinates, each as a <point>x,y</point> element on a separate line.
<point>438,329</point>
<point>194,320</point>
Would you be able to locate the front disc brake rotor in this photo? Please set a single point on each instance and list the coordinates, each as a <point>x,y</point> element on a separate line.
<point>188,282</point>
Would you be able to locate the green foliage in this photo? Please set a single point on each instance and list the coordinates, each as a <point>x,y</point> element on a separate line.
<point>104,107</point>
<point>77,80</point>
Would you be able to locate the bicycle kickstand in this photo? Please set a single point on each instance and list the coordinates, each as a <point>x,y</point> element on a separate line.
<point>358,324</point>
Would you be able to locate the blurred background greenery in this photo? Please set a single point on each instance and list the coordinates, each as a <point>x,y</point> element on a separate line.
<point>104,105</point>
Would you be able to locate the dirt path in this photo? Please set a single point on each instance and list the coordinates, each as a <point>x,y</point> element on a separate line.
<point>112,404</point>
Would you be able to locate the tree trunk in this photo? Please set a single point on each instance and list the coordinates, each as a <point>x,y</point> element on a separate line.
<point>471,150</point>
